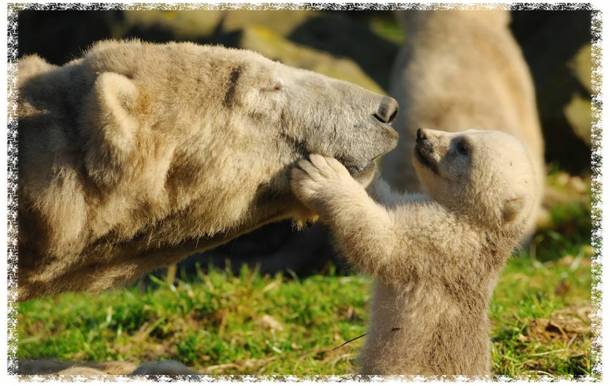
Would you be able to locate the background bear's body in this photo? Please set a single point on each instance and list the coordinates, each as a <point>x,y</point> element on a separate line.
<point>460,69</point>
<point>137,155</point>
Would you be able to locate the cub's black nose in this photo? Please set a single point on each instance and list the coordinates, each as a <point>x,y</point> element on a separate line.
<point>387,110</point>
<point>420,136</point>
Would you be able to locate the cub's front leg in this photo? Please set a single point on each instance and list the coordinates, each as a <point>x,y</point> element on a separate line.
<point>363,230</point>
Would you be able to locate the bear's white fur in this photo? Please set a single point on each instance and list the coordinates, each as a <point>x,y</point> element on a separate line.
<point>137,155</point>
<point>434,257</point>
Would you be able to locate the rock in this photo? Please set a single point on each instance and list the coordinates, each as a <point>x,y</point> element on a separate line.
<point>554,44</point>
<point>370,39</point>
<point>578,110</point>
<point>112,368</point>
<point>177,25</point>
<point>81,371</point>
<point>88,369</point>
<point>117,367</point>
<point>580,65</point>
<point>41,366</point>
<point>167,367</point>
<point>274,46</point>
<point>579,117</point>
<point>281,22</point>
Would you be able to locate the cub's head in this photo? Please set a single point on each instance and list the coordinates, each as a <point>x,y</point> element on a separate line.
<point>486,175</point>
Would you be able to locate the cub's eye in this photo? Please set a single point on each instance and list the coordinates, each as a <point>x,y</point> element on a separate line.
<point>462,147</point>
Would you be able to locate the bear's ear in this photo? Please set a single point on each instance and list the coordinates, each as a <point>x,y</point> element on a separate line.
<point>511,208</point>
<point>115,97</point>
<point>111,126</point>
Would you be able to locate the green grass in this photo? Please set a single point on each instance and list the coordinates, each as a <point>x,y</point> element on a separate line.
<point>222,323</point>
<point>540,318</point>
<point>216,320</point>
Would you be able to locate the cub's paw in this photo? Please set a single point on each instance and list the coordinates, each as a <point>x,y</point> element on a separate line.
<point>319,179</point>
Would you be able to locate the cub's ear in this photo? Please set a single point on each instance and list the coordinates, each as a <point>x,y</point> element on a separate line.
<point>110,126</point>
<point>511,208</point>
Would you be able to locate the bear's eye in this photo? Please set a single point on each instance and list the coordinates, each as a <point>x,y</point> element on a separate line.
<point>462,147</point>
<point>273,87</point>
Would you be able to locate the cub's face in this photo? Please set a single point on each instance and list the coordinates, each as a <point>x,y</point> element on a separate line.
<point>485,174</point>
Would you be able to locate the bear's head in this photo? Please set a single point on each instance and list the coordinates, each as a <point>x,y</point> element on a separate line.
<point>483,174</point>
<point>303,112</point>
<point>221,128</point>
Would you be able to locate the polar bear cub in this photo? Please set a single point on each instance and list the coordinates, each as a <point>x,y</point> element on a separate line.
<point>435,257</point>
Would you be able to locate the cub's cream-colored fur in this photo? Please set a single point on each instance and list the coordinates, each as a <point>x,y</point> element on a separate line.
<point>435,258</point>
<point>137,155</point>
<point>460,69</point>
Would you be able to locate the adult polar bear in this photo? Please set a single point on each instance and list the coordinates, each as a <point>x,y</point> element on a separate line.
<point>460,69</point>
<point>137,155</point>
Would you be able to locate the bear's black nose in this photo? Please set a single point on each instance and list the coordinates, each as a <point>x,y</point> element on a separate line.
<point>387,110</point>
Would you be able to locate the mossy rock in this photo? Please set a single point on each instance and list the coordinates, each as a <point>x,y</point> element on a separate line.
<point>578,114</point>
<point>274,46</point>
<point>370,39</point>
<point>282,22</point>
<point>557,48</point>
<point>581,66</point>
<point>177,25</point>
